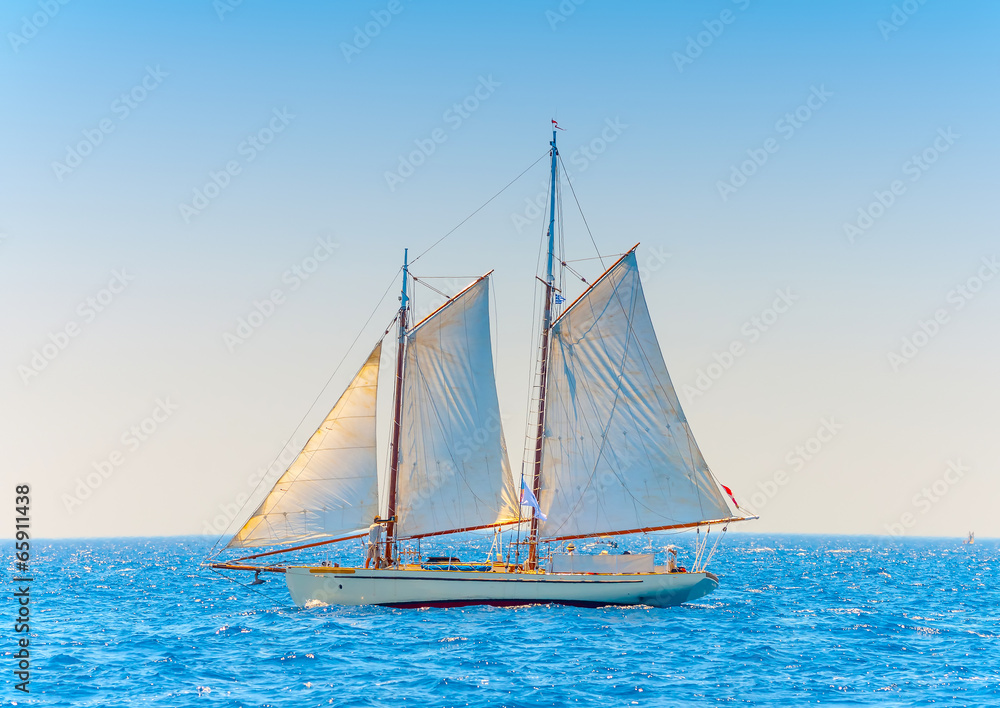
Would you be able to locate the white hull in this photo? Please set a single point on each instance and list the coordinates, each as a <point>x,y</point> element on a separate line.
<point>444,588</point>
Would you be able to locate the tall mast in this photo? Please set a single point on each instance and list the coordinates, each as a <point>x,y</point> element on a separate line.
<point>536,476</point>
<point>397,410</point>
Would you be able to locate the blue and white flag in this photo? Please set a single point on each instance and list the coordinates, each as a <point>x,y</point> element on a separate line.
<point>528,499</point>
<point>560,299</point>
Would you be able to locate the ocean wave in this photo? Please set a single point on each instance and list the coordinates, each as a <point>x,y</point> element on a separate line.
<point>809,621</point>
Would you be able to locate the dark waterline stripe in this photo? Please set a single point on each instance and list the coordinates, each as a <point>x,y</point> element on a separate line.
<point>502,603</point>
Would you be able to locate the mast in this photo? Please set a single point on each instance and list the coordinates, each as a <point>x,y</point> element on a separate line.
<point>397,410</point>
<point>536,475</point>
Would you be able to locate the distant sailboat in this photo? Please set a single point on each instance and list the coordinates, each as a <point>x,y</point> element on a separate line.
<point>971,539</point>
<point>612,453</point>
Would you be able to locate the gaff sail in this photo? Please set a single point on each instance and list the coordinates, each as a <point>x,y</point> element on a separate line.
<point>454,473</point>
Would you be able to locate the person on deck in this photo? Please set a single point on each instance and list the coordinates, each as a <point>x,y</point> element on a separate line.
<point>374,544</point>
<point>671,559</point>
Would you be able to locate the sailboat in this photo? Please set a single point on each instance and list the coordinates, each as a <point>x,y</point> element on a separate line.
<point>611,453</point>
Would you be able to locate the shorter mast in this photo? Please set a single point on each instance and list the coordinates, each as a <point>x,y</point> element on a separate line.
<point>536,474</point>
<point>397,410</point>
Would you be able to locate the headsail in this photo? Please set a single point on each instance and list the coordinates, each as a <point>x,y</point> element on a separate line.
<point>618,453</point>
<point>330,490</point>
<point>453,468</point>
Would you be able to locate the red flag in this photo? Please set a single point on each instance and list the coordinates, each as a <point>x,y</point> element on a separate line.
<point>730,493</point>
<point>556,126</point>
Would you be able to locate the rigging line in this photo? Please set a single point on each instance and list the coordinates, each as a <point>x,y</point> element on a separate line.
<point>558,257</point>
<point>439,418</point>
<point>717,542</point>
<point>249,587</point>
<point>308,411</point>
<point>536,342</point>
<point>629,316</point>
<point>601,447</point>
<point>566,355</point>
<point>629,410</point>
<point>593,258</point>
<point>533,357</point>
<point>572,270</point>
<point>675,410</point>
<point>573,191</point>
<point>536,312</point>
<point>288,529</point>
<point>428,286</point>
<point>664,388</point>
<point>494,334</point>
<point>633,337</point>
<point>547,153</point>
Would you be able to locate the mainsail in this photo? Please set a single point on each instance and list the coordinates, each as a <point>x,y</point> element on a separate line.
<point>453,468</point>
<point>618,453</point>
<point>330,490</point>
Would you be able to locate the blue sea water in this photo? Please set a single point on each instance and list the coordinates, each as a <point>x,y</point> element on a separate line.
<point>796,620</point>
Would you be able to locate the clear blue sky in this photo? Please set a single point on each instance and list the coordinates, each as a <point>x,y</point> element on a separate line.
<point>162,96</point>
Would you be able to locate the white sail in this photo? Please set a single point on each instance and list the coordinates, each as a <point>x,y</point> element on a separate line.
<point>453,467</point>
<point>618,453</point>
<point>331,489</point>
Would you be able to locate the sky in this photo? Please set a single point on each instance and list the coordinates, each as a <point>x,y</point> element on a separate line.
<point>812,185</point>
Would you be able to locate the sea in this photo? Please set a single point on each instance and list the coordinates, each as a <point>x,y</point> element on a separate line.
<point>796,620</point>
